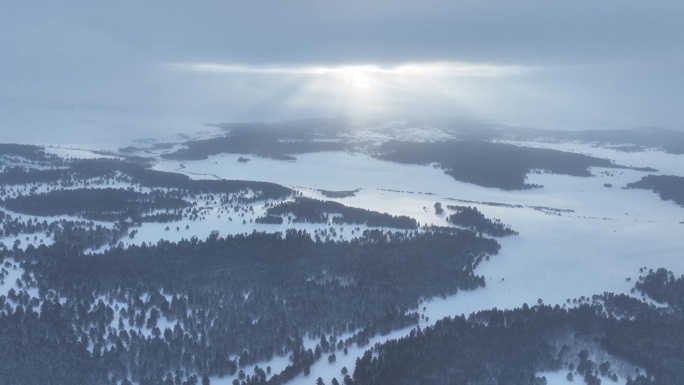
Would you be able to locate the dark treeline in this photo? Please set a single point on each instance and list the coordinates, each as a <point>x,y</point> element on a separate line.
<point>270,220</point>
<point>472,218</point>
<point>668,187</point>
<point>491,164</point>
<point>510,346</point>
<point>461,351</point>
<point>437,263</point>
<point>662,286</point>
<point>105,204</point>
<point>110,170</point>
<point>629,140</point>
<point>79,236</point>
<point>12,226</point>
<point>29,339</point>
<point>200,302</point>
<point>75,236</point>
<point>30,152</point>
<point>475,161</point>
<point>269,140</point>
<point>261,190</point>
<point>266,146</point>
<point>339,194</point>
<point>318,211</point>
<point>21,176</point>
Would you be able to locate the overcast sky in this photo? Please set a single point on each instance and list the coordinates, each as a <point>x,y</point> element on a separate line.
<point>86,71</point>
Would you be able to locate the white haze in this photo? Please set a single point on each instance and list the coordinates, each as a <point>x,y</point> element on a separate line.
<point>79,72</point>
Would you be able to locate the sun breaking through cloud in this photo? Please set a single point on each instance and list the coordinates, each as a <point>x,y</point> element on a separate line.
<point>421,69</point>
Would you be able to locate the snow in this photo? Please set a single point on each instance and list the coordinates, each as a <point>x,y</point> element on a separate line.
<point>321,368</point>
<point>228,222</point>
<point>93,183</point>
<point>665,163</point>
<point>601,243</point>
<point>604,237</point>
<point>401,131</point>
<point>14,272</point>
<point>420,134</point>
<point>560,378</point>
<point>77,153</point>
<point>36,240</point>
<point>39,238</point>
<point>155,152</point>
<point>332,171</point>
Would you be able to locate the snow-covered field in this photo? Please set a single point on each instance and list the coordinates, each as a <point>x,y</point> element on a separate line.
<point>588,240</point>
<point>601,238</point>
<point>216,219</point>
<point>668,164</point>
<point>77,153</point>
<point>610,233</point>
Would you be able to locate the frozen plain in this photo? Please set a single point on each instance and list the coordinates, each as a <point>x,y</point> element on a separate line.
<point>608,236</point>
<point>602,237</point>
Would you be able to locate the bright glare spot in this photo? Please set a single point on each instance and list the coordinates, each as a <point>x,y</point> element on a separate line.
<point>420,69</point>
<point>366,89</point>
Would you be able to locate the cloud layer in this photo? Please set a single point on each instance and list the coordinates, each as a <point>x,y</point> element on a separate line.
<point>165,66</point>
